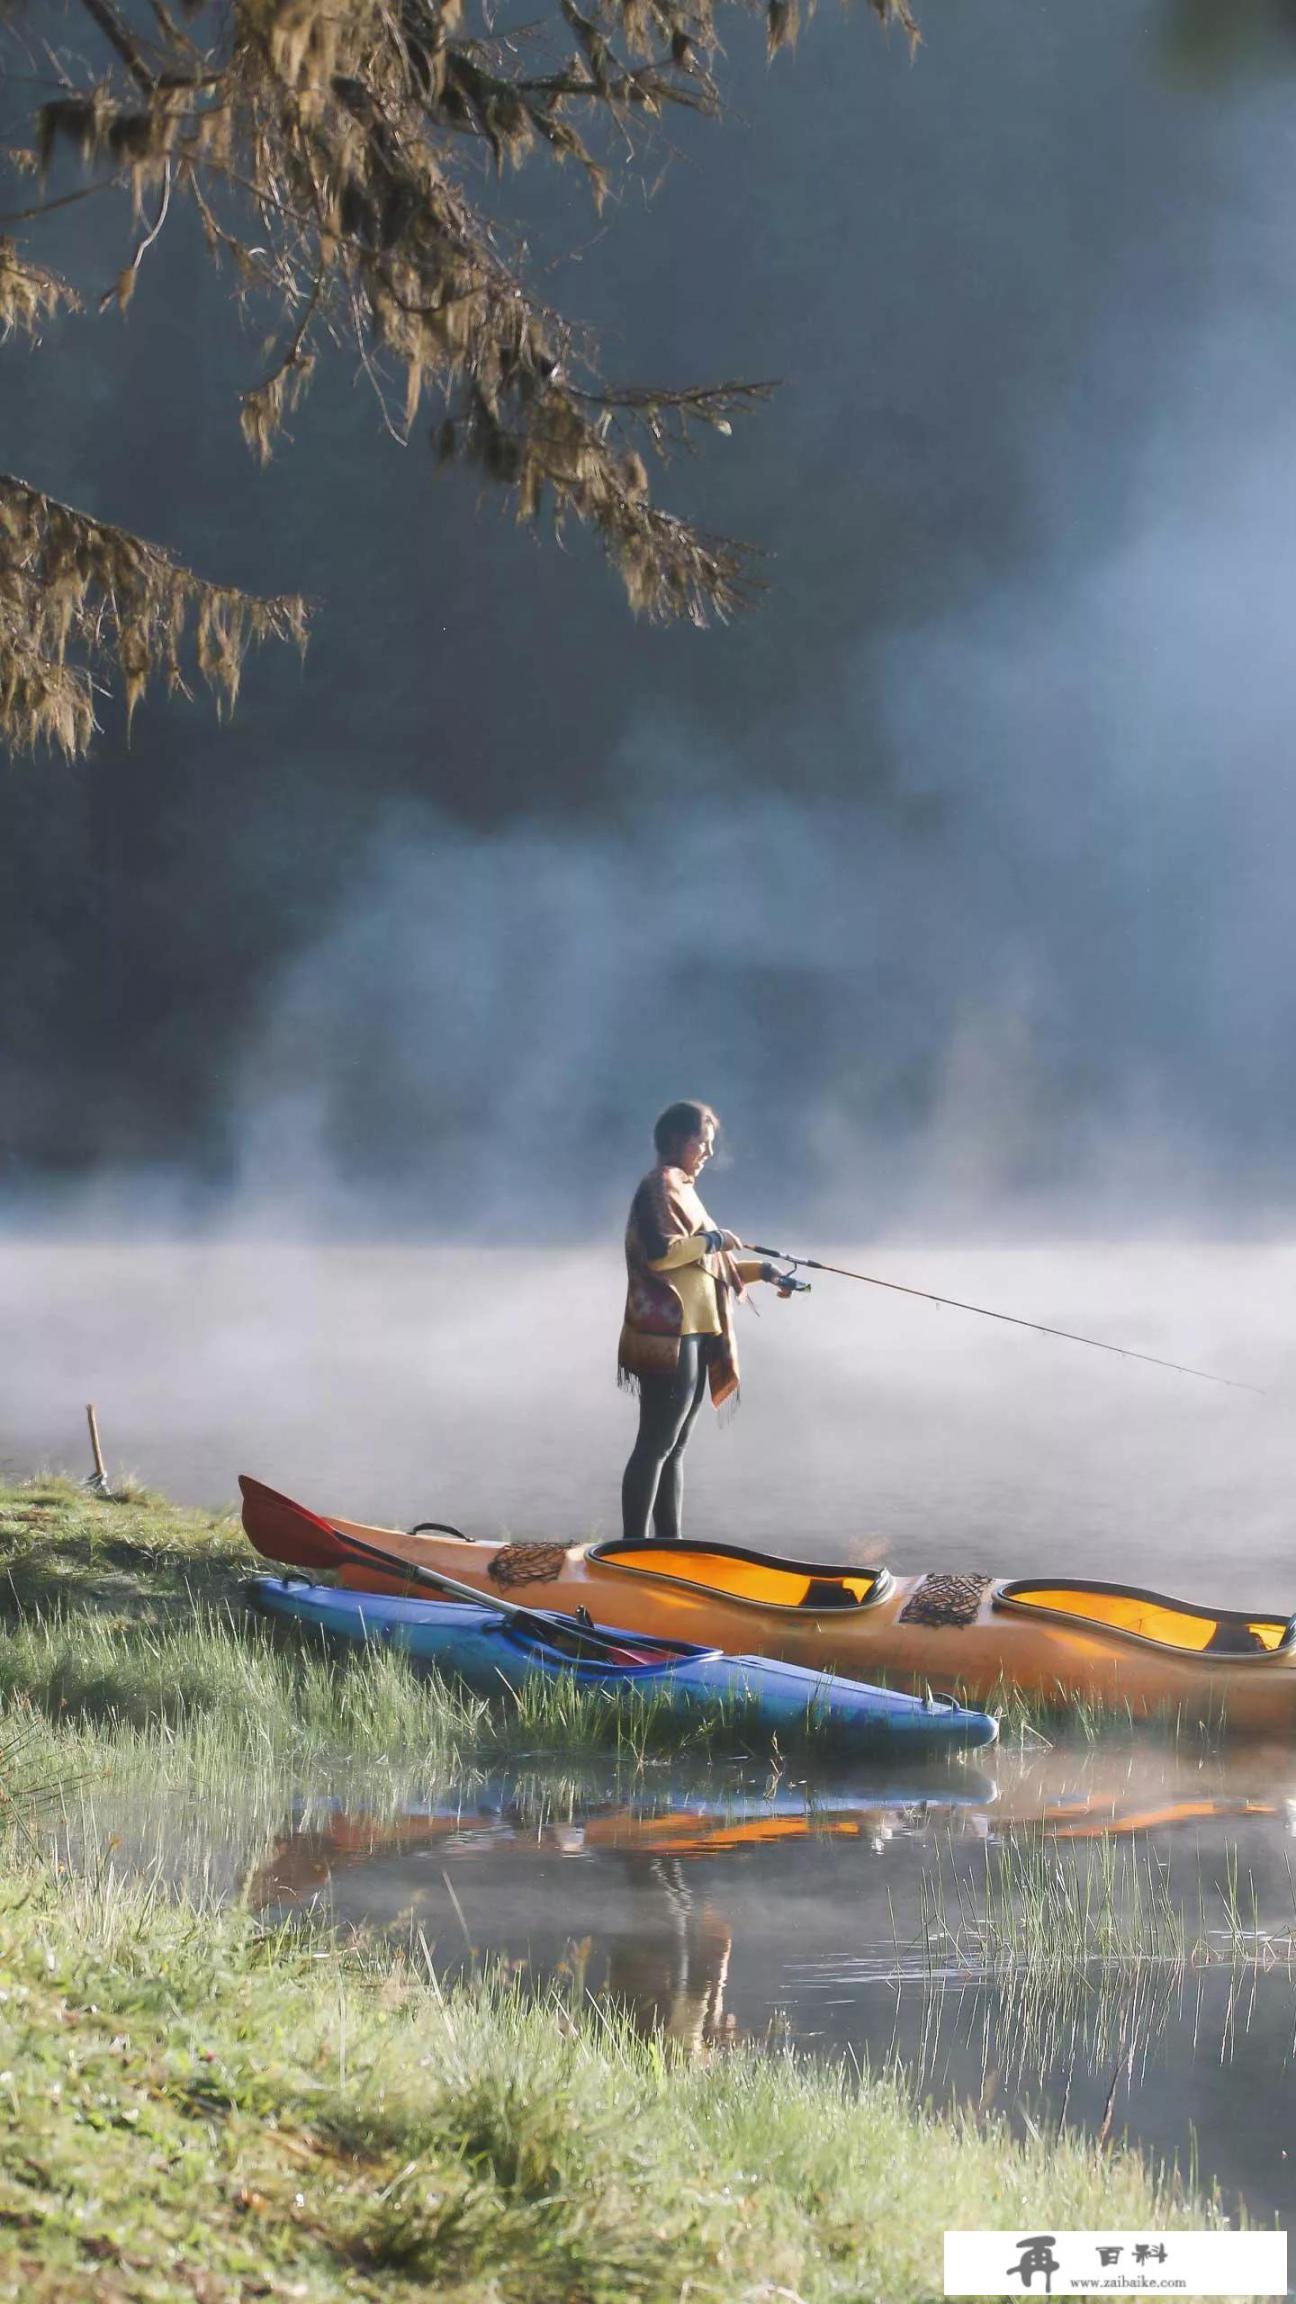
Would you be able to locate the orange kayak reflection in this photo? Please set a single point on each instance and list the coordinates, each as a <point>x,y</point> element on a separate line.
<point>1065,1796</point>
<point>637,1896</point>
<point>1135,1789</point>
<point>508,1819</point>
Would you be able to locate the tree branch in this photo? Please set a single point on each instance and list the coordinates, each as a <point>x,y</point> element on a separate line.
<point>119,39</point>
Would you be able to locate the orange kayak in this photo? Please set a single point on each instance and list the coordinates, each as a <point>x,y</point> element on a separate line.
<point>1063,1637</point>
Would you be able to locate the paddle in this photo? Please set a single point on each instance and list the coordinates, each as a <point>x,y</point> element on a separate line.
<point>313,1543</point>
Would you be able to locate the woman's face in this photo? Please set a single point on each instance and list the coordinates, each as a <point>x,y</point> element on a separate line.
<point>697,1150</point>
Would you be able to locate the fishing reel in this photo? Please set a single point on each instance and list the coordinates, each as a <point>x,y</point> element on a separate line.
<point>786,1283</point>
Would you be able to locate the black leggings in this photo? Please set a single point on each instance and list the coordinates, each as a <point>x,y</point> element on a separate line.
<point>653,1486</point>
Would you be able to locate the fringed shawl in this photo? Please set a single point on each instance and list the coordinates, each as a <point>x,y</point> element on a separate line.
<point>665,1208</point>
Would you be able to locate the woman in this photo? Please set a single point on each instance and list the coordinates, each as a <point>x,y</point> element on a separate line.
<point>684,1277</point>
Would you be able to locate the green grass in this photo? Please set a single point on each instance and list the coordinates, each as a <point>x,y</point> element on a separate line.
<point>1026,1715</point>
<point>198,2109</point>
<point>264,1691</point>
<point>1038,1907</point>
<point>124,1558</point>
<point>1077,1960</point>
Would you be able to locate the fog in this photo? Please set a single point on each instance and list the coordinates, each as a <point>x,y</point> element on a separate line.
<point>477,1384</point>
<point>330,1040</point>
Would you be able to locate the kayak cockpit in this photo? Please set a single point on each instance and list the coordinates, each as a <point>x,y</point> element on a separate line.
<point>567,1647</point>
<point>1151,1617</point>
<point>760,1579</point>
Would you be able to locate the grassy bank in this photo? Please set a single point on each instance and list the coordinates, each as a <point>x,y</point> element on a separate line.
<point>188,2108</point>
<point>124,1557</point>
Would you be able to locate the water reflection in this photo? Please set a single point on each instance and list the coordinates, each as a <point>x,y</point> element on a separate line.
<point>1101,1938</point>
<point>532,1818</point>
<point>536,1818</point>
<point>1138,1788</point>
<point>671,1983</point>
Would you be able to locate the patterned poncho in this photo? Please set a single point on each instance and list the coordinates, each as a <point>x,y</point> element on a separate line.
<point>666,1215</point>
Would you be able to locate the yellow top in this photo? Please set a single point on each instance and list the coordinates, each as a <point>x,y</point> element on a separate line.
<point>691,1271</point>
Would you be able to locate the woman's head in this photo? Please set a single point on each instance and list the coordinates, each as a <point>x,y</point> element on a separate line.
<point>685,1136</point>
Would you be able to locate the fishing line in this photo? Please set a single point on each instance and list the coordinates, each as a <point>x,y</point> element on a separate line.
<point>1011,1319</point>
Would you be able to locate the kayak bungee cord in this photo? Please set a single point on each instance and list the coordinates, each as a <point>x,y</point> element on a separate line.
<point>1013,1319</point>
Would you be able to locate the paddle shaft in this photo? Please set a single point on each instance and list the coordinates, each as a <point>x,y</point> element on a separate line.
<point>541,1620</point>
<point>1012,1319</point>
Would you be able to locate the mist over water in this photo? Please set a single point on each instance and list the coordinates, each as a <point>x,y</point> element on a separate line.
<point>476,1384</point>
<point>1010,947</point>
<point>956,878</point>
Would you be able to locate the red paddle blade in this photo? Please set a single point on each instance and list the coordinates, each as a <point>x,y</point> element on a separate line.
<point>282,1530</point>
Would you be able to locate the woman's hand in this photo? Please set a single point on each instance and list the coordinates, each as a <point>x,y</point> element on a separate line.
<point>732,1242</point>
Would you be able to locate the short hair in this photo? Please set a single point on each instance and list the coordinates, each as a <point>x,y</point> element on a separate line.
<point>680,1121</point>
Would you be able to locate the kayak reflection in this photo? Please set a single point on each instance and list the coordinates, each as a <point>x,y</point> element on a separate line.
<point>529,1817</point>
<point>637,1891</point>
<point>638,1933</point>
<point>1131,1790</point>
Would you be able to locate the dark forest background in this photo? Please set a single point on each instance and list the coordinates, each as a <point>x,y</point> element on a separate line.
<point>957,874</point>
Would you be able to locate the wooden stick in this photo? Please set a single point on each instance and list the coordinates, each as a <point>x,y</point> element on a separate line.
<point>92,1420</point>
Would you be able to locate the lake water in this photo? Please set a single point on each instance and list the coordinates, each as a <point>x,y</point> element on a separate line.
<point>918,1919</point>
<point>872,1916</point>
<point>477,1385</point>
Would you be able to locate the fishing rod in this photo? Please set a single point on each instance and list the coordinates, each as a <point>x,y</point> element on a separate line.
<point>1012,1319</point>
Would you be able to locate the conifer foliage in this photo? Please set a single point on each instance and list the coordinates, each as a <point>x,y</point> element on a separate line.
<point>332,150</point>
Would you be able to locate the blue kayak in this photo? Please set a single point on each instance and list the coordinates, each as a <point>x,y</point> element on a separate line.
<point>486,1649</point>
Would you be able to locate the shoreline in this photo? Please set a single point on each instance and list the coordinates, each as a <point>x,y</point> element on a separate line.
<point>211,2107</point>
